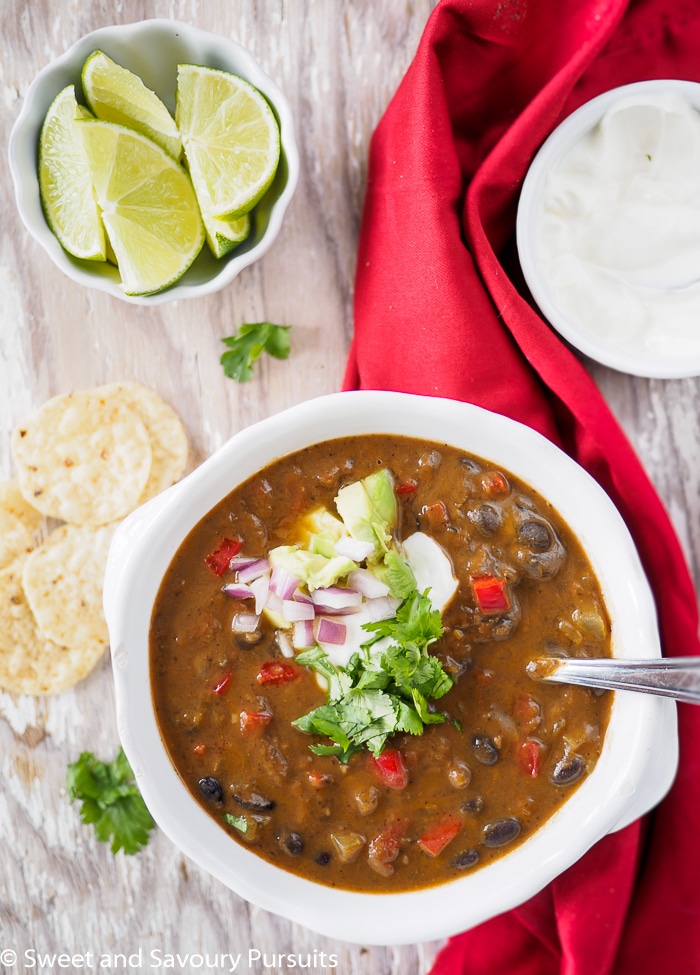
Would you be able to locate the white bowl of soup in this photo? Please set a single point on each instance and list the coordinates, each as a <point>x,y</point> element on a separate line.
<point>339,724</point>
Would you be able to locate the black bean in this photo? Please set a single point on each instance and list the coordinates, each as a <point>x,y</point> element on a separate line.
<point>487,518</point>
<point>484,750</point>
<point>291,843</point>
<point>322,858</point>
<point>536,535</point>
<point>501,831</point>
<point>254,801</point>
<point>474,805</point>
<point>465,859</point>
<point>568,770</point>
<point>211,788</point>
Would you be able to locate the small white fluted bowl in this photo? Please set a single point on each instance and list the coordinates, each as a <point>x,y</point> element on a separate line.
<point>603,345</point>
<point>152,49</point>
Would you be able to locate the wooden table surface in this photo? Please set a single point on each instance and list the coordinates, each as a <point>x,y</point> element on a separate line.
<point>339,64</point>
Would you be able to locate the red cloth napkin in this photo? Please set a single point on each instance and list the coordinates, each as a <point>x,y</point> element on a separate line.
<point>438,311</point>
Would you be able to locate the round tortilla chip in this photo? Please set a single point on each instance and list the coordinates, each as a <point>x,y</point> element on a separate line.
<point>83,458</point>
<point>62,580</point>
<point>12,500</point>
<point>169,445</point>
<point>14,538</point>
<point>29,663</point>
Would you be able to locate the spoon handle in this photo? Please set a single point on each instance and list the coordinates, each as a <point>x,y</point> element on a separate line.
<point>676,677</point>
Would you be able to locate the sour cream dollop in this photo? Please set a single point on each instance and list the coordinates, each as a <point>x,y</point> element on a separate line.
<point>619,240</point>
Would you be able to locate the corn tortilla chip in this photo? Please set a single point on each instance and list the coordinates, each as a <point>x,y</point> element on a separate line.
<point>83,458</point>
<point>169,444</point>
<point>29,663</point>
<point>14,538</point>
<point>12,500</point>
<point>63,579</point>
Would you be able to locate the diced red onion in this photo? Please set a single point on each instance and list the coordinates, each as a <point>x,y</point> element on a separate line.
<point>381,608</point>
<point>273,602</point>
<point>285,644</point>
<point>336,597</point>
<point>260,588</point>
<point>283,583</point>
<point>239,562</point>
<point>253,570</point>
<point>301,596</point>
<point>245,622</point>
<point>295,609</point>
<point>330,631</point>
<point>367,583</point>
<point>353,548</point>
<point>303,634</point>
<point>237,591</point>
<point>322,610</point>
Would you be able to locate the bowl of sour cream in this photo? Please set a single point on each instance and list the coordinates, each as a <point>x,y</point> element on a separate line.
<point>608,229</point>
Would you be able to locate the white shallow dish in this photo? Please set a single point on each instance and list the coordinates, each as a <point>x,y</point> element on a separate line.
<point>152,49</point>
<point>575,127</point>
<point>640,752</point>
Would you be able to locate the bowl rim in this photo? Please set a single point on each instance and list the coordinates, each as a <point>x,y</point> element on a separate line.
<point>24,138</point>
<point>615,792</point>
<point>560,141</point>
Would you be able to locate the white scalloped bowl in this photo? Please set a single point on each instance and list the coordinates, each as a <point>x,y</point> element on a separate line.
<point>152,49</point>
<point>640,752</point>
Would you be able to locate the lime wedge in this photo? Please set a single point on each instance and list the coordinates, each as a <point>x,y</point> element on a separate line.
<point>65,183</point>
<point>224,235</point>
<point>149,208</point>
<point>116,94</point>
<point>230,138</point>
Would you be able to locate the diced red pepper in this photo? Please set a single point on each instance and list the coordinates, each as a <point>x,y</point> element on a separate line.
<point>530,756</point>
<point>277,672</point>
<point>437,836</point>
<point>392,771</point>
<point>491,594</point>
<point>436,514</point>
<point>254,719</point>
<point>494,484</point>
<point>219,560</point>
<point>406,487</point>
<point>222,684</point>
<point>200,749</point>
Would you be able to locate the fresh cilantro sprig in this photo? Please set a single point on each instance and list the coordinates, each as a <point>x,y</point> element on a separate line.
<point>249,343</point>
<point>379,694</point>
<point>111,801</point>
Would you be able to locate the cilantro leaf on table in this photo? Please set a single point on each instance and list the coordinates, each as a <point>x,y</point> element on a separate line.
<point>249,343</point>
<point>378,694</point>
<point>111,801</point>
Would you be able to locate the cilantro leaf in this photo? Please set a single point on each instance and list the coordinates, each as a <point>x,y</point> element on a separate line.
<point>379,694</point>
<point>416,623</point>
<point>249,343</point>
<point>111,801</point>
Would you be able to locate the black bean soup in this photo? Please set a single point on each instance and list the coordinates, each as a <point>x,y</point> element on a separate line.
<point>498,752</point>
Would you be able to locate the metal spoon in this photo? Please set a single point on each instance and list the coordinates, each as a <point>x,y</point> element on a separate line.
<point>677,677</point>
